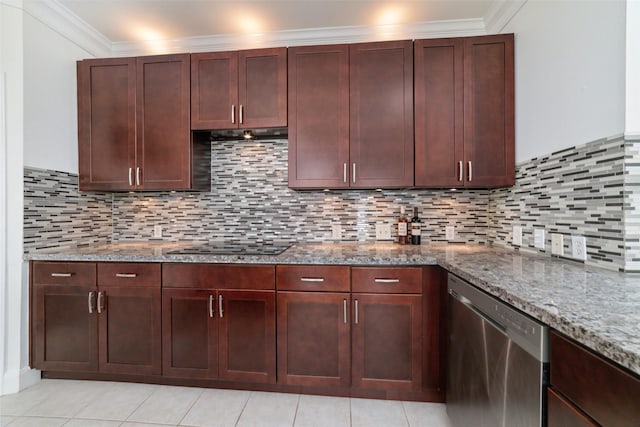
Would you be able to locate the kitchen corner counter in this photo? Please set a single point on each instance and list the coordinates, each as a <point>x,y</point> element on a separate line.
<point>595,307</point>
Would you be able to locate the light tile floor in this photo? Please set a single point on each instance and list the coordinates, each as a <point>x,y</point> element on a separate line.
<point>54,403</point>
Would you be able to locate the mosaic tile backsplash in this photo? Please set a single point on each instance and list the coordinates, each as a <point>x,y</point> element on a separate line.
<point>589,190</point>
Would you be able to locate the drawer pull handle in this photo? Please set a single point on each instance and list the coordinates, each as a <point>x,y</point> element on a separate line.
<point>220,306</point>
<point>312,279</point>
<point>126,275</point>
<point>233,113</point>
<point>387,280</point>
<point>460,171</point>
<point>211,312</point>
<point>100,302</point>
<point>90,301</point>
<point>61,274</point>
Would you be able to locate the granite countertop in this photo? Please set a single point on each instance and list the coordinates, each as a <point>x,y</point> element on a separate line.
<point>596,307</point>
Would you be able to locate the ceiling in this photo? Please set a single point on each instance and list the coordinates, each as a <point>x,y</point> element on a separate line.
<point>137,21</point>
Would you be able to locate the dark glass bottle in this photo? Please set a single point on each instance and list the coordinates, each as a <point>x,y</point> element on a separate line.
<point>416,228</point>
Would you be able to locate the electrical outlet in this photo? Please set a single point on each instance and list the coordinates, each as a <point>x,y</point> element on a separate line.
<point>579,247</point>
<point>383,231</point>
<point>336,231</point>
<point>538,238</point>
<point>450,232</point>
<point>517,236</point>
<point>557,244</point>
<point>157,231</point>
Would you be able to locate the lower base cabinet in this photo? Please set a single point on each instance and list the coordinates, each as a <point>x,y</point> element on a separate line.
<point>100,317</point>
<point>341,330</point>
<point>588,390</point>
<point>213,333</point>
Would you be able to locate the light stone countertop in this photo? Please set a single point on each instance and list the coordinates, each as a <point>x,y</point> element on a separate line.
<point>596,307</point>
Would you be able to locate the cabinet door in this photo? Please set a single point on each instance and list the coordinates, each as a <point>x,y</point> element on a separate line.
<point>489,111</point>
<point>561,413</point>
<point>439,113</point>
<point>319,117</point>
<point>387,342</point>
<point>381,114</point>
<point>214,90</point>
<point>163,146</point>
<point>66,336</point>
<point>189,333</point>
<point>129,330</point>
<point>314,339</point>
<point>247,336</point>
<point>262,90</point>
<point>106,123</point>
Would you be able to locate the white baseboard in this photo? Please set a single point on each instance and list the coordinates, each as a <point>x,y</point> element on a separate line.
<point>15,381</point>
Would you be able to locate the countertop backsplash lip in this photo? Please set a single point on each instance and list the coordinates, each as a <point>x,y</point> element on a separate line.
<point>596,307</point>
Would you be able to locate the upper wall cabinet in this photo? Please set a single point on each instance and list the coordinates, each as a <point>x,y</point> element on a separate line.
<point>381,114</point>
<point>245,89</point>
<point>351,116</point>
<point>464,101</point>
<point>319,116</point>
<point>133,125</point>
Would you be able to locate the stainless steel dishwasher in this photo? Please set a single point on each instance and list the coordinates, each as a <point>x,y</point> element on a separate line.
<point>497,364</point>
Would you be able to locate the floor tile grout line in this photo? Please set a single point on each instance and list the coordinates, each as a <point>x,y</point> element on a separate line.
<point>404,411</point>
<point>295,415</point>
<point>202,390</point>
<point>155,388</point>
<point>350,414</point>
<point>246,402</point>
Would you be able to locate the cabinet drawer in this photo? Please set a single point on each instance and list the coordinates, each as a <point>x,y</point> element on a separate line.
<point>603,391</point>
<point>128,274</point>
<point>387,280</point>
<point>218,276</point>
<point>313,278</point>
<point>64,273</point>
<point>561,413</point>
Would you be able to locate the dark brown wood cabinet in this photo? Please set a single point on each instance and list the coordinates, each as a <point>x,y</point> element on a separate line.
<point>319,116</point>
<point>133,126</point>
<point>464,106</point>
<point>241,89</point>
<point>314,327</point>
<point>592,390</point>
<point>219,322</point>
<point>86,322</point>
<point>351,116</point>
<point>381,114</point>
<point>387,328</point>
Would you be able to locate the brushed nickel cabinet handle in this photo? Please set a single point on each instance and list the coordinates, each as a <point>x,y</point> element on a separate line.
<point>354,173</point>
<point>241,114</point>
<point>137,176</point>
<point>90,301</point>
<point>61,274</point>
<point>100,302</point>
<point>130,177</point>
<point>344,172</point>
<point>387,280</point>
<point>211,312</point>
<point>312,279</point>
<point>220,306</point>
<point>356,312</point>
<point>470,172</point>
<point>233,113</point>
<point>126,275</point>
<point>344,310</point>
<point>460,171</point>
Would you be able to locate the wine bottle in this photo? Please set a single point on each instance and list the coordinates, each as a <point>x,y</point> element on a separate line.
<point>403,231</point>
<point>416,228</point>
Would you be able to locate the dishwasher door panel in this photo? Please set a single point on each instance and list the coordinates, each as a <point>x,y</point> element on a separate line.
<point>491,381</point>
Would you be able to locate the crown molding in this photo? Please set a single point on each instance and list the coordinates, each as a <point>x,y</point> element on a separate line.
<point>313,36</point>
<point>500,13</point>
<point>60,19</point>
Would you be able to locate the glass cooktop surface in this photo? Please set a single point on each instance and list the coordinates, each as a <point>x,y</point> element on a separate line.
<point>234,248</point>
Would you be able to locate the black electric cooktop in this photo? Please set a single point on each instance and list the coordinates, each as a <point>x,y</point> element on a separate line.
<point>234,248</point>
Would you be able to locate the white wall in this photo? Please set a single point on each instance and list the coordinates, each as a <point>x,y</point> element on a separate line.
<point>50,114</point>
<point>632,119</point>
<point>570,73</point>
